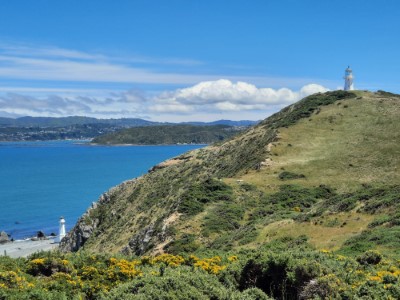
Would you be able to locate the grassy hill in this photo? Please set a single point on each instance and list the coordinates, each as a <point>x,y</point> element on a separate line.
<point>305,205</point>
<point>314,168</point>
<point>168,134</point>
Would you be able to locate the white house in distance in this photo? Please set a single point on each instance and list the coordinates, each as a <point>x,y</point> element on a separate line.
<point>348,79</point>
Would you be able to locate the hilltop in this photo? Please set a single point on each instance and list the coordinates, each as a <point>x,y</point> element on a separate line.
<point>324,168</point>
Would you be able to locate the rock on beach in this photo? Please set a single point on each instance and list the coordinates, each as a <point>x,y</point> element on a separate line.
<point>4,237</point>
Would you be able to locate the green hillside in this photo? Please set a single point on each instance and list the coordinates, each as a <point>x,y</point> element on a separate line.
<point>168,134</point>
<point>315,168</point>
<point>304,205</point>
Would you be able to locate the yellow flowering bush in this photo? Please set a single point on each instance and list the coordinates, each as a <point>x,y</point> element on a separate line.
<point>12,279</point>
<point>122,269</point>
<point>210,265</point>
<point>169,259</point>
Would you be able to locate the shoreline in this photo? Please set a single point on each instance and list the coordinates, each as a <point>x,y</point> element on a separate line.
<point>24,248</point>
<point>143,145</point>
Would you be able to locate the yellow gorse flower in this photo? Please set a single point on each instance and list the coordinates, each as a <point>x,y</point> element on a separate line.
<point>210,265</point>
<point>38,261</point>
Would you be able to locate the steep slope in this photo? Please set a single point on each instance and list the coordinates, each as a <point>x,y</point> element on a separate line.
<point>324,168</point>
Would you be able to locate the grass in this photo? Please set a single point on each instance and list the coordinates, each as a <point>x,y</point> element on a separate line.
<point>320,236</point>
<point>338,149</point>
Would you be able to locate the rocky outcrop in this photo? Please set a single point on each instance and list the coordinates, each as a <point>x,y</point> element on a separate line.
<point>78,236</point>
<point>4,237</point>
<point>140,242</point>
<point>88,223</point>
<point>151,236</point>
<point>73,242</point>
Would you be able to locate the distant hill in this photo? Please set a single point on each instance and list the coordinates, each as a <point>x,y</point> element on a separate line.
<point>123,122</point>
<point>46,128</point>
<point>169,134</point>
<point>68,121</point>
<point>224,122</point>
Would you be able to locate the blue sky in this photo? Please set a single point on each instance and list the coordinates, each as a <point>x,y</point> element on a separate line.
<point>189,60</point>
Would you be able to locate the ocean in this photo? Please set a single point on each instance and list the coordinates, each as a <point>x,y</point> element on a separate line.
<point>41,181</point>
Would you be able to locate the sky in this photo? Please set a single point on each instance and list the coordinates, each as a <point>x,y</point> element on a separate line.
<point>189,60</point>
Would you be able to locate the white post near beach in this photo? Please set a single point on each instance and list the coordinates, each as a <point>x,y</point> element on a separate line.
<point>61,232</point>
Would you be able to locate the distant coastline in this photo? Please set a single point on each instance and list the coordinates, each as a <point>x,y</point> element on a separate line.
<point>84,128</point>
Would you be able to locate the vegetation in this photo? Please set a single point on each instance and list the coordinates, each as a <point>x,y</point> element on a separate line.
<point>198,195</point>
<point>306,107</point>
<point>307,200</point>
<point>283,269</point>
<point>169,134</point>
<point>289,175</point>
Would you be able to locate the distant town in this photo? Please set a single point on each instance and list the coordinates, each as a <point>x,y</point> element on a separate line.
<point>81,128</point>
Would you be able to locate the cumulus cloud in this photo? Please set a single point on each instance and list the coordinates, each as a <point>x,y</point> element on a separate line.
<point>220,98</point>
<point>224,95</point>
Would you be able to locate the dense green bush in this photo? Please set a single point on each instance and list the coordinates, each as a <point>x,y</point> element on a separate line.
<point>223,217</point>
<point>290,196</point>
<point>186,244</point>
<point>198,195</point>
<point>369,257</point>
<point>286,175</point>
<point>182,284</point>
<point>281,276</point>
<point>373,238</point>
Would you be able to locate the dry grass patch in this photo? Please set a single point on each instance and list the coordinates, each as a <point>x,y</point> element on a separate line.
<point>321,236</point>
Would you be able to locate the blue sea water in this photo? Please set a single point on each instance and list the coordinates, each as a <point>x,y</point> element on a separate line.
<point>41,181</point>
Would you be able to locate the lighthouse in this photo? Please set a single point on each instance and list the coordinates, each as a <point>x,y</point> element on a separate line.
<point>348,79</point>
<point>61,232</point>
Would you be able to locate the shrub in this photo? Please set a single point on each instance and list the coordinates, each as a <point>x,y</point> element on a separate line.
<point>285,175</point>
<point>373,238</point>
<point>224,217</point>
<point>177,284</point>
<point>279,275</point>
<point>198,195</point>
<point>369,257</point>
<point>248,187</point>
<point>187,243</point>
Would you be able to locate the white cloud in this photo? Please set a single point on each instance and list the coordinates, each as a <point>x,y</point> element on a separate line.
<point>214,99</point>
<point>224,95</point>
<point>48,63</point>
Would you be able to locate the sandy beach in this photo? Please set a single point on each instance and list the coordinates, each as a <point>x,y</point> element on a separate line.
<point>25,248</point>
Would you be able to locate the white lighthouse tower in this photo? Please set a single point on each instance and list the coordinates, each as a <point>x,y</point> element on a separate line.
<point>348,79</point>
<point>61,232</point>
